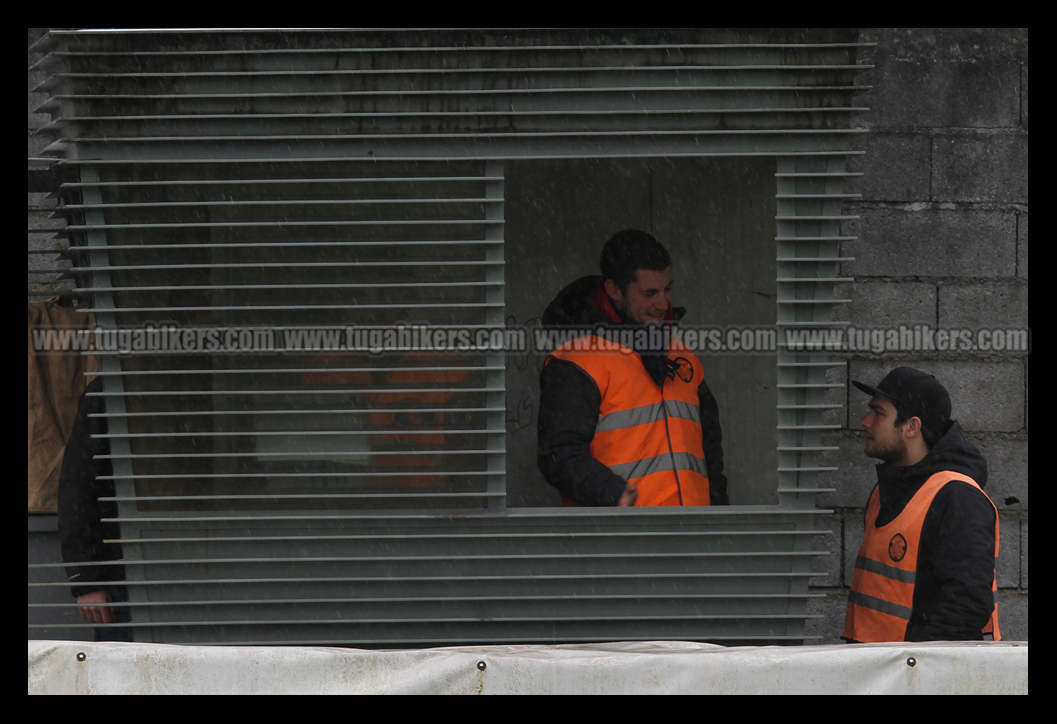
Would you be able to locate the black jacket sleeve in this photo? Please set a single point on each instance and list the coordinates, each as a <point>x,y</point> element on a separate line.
<point>956,561</point>
<point>569,406</point>
<point>712,443</point>
<point>81,530</point>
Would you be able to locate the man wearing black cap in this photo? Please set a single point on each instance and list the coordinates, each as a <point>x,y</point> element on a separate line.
<point>926,567</point>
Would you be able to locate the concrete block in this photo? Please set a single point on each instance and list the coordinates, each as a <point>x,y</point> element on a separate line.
<point>926,241</point>
<point>832,607</point>
<point>896,167</point>
<point>1007,472</point>
<point>985,396</point>
<point>830,564</point>
<point>37,120</point>
<point>937,44</point>
<point>40,221</point>
<point>1022,245</point>
<point>1007,567</point>
<point>884,304</point>
<point>917,93</point>
<point>945,77</point>
<point>835,396</point>
<point>855,475</point>
<point>1024,554</point>
<point>991,167</point>
<point>37,143</point>
<point>1024,96</point>
<point>1013,615</point>
<point>41,200</point>
<point>854,529</point>
<point>994,305</point>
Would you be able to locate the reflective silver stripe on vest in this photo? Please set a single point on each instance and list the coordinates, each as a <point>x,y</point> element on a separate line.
<point>646,415</point>
<point>879,604</point>
<point>896,574</point>
<point>647,466</point>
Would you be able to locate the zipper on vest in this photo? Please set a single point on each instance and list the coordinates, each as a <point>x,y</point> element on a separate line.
<point>671,449</point>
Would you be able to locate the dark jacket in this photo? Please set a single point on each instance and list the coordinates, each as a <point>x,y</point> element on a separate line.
<point>81,530</point>
<point>956,559</point>
<point>570,402</point>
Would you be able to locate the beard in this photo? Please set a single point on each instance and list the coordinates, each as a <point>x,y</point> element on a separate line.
<point>894,452</point>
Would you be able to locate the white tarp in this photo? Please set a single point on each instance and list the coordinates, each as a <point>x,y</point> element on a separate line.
<point>666,667</point>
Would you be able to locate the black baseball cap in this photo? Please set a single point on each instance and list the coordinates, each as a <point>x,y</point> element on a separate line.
<point>918,393</point>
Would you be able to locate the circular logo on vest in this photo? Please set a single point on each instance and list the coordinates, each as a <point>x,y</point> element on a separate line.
<point>684,369</point>
<point>897,547</point>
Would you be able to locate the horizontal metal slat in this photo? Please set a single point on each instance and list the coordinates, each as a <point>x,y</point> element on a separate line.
<point>287,224</point>
<point>450,599</point>
<point>390,389</point>
<point>245,97</point>
<point>733,513</point>
<point>472,135</point>
<point>269,475</point>
<point>79,35</point>
<point>308,455</point>
<point>199,413</point>
<point>815,259</point>
<point>795,197</point>
<point>296,307</point>
<point>299,244</point>
<point>445,579</point>
<point>795,428</point>
<point>238,203</point>
<point>490,536</point>
<point>583,154</point>
<point>378,431</point>
<point>299,370</point>
<point>824,217</point>
<point>284,265</point>
<point>281,180</point>
<point>56,79</point>
<point>468,620</point>
<point>295,287</point>
<point>808,386</point>
<point>814,301</point>
<point>813,280</point>
<point>438,557</point>
<point>62,121</point>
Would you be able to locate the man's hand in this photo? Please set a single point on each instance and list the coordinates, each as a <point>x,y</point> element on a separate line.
<point>89,609</point>
<point>630,495</point>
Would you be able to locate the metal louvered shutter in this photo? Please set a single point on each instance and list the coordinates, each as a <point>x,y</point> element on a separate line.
<point>278,187</point>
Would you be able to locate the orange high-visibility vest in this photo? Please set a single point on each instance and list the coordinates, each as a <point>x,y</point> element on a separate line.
<point>646,434</point>
<point>882,589</point>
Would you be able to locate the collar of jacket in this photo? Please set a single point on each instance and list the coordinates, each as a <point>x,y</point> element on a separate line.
<point>655,360</point>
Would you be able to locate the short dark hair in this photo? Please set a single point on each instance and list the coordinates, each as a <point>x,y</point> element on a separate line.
<point>628,251</point>
<point>902,415</point>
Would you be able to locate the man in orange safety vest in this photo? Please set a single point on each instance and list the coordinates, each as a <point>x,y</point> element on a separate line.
<point>926,568</point>
<point>625,416</point>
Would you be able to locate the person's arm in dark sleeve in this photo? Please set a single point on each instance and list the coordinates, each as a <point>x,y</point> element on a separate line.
<point>568,412</point>
<point>712,443</point>
<point>81,530</point>
<point>952,597</point>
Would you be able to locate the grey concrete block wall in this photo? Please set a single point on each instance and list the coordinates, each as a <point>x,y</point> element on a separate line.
<point>943,242</point>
